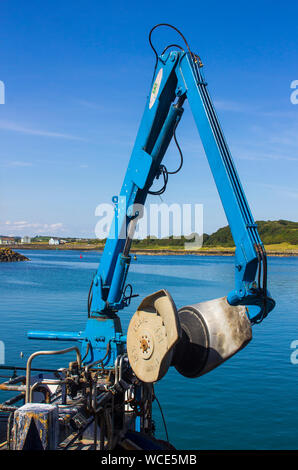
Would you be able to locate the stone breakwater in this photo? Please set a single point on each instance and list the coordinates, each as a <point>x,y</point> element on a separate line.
<point>8,255</point>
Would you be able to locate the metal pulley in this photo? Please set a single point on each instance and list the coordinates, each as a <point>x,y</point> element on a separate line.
<point>152,334</point>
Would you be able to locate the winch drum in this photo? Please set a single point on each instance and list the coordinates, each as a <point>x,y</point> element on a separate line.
<point>212,332</point>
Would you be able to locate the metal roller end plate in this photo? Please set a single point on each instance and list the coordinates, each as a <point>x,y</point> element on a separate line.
<point>152,333</point>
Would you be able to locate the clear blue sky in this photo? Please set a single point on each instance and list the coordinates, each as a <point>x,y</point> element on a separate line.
<point>77,74</point>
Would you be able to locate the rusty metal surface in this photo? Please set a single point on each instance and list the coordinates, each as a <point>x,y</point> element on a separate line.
<point>35,427</point>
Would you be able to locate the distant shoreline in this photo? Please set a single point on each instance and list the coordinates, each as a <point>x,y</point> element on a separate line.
<point>153,252</point>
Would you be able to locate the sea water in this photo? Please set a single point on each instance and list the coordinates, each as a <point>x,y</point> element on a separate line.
<point>249,402</point>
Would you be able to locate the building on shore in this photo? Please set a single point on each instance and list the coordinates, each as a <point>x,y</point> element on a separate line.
<point>7,240</point>
<point>25,239</point>
<point>54,241</point>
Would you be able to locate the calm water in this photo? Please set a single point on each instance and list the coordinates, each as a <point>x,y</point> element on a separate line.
<point>250,402</point>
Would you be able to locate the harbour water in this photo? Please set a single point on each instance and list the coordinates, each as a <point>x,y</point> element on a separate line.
<point>250,402</point>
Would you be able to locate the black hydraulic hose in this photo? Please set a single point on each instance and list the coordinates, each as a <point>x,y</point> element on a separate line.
<point>89,298</point>
<point>180,153</point>
<point>173,45</point>
<point>162,168</point>
<point>163,418</point>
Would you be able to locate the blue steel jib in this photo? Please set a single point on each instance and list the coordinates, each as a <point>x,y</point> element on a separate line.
<point>178,76</point>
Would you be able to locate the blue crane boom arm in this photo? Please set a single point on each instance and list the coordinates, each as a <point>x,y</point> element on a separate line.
<point>178,76</point>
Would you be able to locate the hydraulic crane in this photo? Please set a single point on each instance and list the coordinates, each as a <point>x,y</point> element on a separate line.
<point>198,337</point>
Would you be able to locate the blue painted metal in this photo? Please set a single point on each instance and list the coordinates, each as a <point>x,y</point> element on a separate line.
<point>104,336</point>
<point>155,135</point>
<point>177,76</point>
<point>244,230</point>
<point>55,335</point>
<point>101,339</point>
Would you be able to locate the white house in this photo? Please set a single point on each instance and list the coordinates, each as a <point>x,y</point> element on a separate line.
<point>54,241</point>
<point>7,240</point>
<point>25,240</point>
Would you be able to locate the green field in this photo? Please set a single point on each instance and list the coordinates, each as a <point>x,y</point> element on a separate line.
<point>271,233</point>
<point>279,237</point>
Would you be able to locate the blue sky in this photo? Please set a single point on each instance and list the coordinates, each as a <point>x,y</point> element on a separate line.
<point>77,74</point>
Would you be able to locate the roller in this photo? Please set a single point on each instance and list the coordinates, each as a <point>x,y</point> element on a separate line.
<point>212,332</point>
